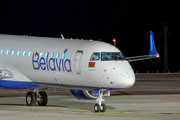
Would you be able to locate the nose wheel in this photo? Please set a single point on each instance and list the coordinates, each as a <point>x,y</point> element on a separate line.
<point>100,107</point>
<point>103,107</point>
<point>97,108</point>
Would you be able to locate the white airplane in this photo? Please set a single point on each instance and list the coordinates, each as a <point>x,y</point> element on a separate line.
<point>36,63</point>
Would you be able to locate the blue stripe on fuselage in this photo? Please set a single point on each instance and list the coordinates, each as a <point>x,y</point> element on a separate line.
<point>31,85</point>
<point>17,84</point>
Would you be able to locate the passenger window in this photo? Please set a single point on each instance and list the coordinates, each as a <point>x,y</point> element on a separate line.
<point>13,52</point>
<point>18,53</point>
<point>7,52</point>
<point>24,53</point>
<point>52,55</point>
<point>2,51</point>
<point>95,57</point>
<point>41,54</point>
<point>47,54</point>
<point>58,55</point>
<point>30,52</point>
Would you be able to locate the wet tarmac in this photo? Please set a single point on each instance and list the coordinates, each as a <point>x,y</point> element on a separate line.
<point>154,96</point>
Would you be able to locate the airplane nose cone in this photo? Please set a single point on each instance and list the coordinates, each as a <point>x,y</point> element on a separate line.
<point>126,76</point>
<point>129,82</point>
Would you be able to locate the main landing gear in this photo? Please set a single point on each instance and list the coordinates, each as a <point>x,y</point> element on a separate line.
<point>99,106</point>
<point>33,96</point>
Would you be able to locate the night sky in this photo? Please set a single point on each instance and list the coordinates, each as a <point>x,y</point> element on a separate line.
<point>129,21</point>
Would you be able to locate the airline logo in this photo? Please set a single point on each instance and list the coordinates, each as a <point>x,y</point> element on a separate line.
<point>53,64</point>
<point>92,64</point>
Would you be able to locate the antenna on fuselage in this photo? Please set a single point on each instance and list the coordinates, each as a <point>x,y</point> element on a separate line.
<point>62,36</point>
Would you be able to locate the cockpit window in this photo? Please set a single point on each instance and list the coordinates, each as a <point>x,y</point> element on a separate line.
<point>109,56</point>
<point>95,57</point>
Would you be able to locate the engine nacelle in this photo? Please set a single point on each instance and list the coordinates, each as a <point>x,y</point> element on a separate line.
<point>82,95</point>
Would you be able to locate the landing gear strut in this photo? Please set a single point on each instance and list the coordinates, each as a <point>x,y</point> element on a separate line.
<point>33,96</point>
<point>100,107</point>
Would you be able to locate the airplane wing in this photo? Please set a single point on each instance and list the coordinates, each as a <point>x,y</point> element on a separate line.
<point>153,52</point>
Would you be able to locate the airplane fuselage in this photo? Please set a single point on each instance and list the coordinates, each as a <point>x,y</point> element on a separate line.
<point>43,62</point>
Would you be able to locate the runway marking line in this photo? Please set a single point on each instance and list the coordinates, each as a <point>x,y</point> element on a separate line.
<point>67,110</point>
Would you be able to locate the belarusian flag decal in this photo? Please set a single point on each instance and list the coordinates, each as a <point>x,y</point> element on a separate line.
<point>92,64</point>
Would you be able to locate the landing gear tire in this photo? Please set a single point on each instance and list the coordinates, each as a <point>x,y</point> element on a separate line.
<point>42,99</point>
<point>31,99</point>
<point>96,108</point>
<point>103,107</point>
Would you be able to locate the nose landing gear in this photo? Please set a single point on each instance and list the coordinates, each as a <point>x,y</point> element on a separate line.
<point>99,106</point>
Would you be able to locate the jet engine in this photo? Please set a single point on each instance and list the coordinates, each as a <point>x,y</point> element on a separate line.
<point>82,94</point>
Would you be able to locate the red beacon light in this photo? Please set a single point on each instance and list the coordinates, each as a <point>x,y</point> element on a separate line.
<point>114,40</point>
<point>158,56</point>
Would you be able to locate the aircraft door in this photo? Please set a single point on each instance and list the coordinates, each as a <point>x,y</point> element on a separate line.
<point>77,61</point>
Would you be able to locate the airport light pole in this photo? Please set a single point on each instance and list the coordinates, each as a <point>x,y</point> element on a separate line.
<point>165,33</point>
<point>114,41</point>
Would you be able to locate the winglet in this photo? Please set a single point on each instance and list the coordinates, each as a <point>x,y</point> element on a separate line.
<point>153,51</point>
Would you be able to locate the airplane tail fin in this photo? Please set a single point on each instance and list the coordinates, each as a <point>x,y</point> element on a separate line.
<point>153,50</point>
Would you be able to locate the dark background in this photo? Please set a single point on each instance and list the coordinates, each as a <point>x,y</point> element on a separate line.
<point>129,21</point>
